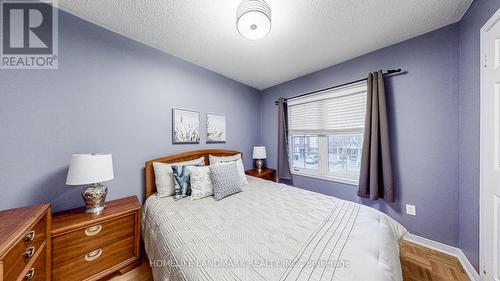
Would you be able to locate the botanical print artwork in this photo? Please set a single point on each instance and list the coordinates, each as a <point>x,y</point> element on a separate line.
<point>216,128</point>
<point>186,126</point>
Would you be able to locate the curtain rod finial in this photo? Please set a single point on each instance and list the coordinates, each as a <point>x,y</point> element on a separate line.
<point>394,70</point>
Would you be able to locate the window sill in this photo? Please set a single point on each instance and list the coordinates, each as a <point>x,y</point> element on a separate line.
<point>326,177</point>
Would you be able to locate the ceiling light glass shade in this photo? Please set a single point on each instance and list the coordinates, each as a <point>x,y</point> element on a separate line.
<point>253,19</point>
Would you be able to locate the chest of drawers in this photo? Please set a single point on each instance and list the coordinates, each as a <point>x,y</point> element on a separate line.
<point>25,243</point>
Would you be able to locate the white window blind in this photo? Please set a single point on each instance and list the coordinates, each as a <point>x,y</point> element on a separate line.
<point>333,110</point>
<point>326,133</point>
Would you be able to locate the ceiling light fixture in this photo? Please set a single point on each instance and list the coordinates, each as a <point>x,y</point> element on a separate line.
<point>253,19</point>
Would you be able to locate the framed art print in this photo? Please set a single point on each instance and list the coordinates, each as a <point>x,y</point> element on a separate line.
<point>185,126</point>
<point>216,128</point>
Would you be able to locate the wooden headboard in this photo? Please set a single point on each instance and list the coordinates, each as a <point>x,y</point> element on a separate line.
<point>180,157</point>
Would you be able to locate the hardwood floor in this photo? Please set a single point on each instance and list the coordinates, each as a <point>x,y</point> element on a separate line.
<point>423,264</point>
<point>419,264</point>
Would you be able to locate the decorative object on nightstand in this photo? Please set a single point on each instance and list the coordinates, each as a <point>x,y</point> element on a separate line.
<point>93,170</point>
<point>259,153</point>
<point>265,173</point>
<point>90,247</point>
<point>25,243</point>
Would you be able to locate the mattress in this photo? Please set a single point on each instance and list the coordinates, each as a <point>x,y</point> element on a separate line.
<point>270,231</point>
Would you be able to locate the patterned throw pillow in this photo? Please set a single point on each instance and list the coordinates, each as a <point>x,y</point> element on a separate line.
<point>225,179</point>
<point>236,158</point>
<point>201,183</point>
<point>181,176</point>
<point>165,182</point>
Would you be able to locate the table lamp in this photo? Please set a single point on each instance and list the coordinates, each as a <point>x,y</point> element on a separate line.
<point>91,170</point>
<point>259,153</point>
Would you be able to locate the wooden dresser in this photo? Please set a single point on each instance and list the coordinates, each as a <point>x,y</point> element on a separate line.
<point>25,243</point>
<point>266,174</point>
<point>90,246</point>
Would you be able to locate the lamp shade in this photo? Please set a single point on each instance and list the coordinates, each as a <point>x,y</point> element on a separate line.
<point>90,168</point>
<point>259,152</point>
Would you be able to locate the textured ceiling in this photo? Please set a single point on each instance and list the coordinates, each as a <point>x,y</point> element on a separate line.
<point>306,35</point>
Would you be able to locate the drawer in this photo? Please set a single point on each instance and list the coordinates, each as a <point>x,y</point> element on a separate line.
<point>24,250</point>
<point>93,262</point>
<point>81,241</point>
<point>270,177</point>
<point>36,271</point>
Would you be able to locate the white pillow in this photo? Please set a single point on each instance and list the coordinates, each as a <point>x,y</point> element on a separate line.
<point>201,183</point>
<point>239,164</point>
<point>164,177</point>
<point>219,159</point>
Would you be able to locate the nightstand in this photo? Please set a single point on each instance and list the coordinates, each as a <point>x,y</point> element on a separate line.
<point>266,173</point>
<point>93,246</point>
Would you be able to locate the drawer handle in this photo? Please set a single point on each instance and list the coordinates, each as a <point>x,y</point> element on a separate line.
<point>30,236</point>
<point>93,230</point>
<point>29,252</point>
<point>30,274</point>
<point>93,255</point>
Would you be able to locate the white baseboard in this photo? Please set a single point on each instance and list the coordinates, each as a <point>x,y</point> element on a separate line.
<point>453,251</point>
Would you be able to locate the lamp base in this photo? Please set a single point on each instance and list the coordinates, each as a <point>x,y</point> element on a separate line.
<point>94,197</point>
<point>258,164</point>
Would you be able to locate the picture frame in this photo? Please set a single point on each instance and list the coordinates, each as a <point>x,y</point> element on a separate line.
<point>216,128</point>
<point>185,126</point>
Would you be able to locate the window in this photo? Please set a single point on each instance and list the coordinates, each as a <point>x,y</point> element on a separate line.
<point>326,133</point>
<point>344,154</point>
<point>305,152</point>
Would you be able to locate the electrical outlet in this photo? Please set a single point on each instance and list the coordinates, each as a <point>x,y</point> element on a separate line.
<point>411,210</point>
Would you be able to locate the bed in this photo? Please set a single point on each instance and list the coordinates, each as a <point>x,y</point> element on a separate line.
<point>270,231</point>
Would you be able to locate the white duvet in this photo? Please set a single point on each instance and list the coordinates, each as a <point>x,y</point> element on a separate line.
<point>270,231</point>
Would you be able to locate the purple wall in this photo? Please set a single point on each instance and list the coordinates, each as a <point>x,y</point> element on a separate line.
<point>469,30</point>
<point>110,94</point>
<point>424,120</point>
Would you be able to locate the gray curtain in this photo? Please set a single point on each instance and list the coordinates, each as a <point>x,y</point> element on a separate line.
<point>283,160</point>
<point>376,178</point>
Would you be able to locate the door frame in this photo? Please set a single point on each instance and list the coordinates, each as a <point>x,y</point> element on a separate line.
<point>482,192</point>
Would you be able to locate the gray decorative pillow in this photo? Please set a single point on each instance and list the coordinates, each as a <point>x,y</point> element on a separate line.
<point>237,159</point>
<point>225,179</point>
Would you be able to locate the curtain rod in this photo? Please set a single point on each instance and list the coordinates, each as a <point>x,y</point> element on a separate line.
<point>390,71</point>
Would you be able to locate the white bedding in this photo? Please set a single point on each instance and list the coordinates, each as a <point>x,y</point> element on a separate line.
<point>270,231</point>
